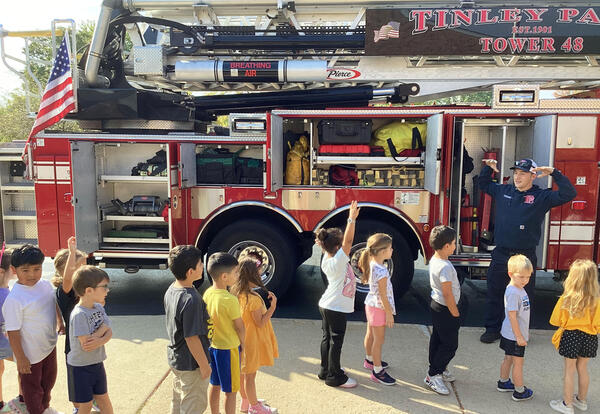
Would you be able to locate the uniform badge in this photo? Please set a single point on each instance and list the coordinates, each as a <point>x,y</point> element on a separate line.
<point>529,199</point>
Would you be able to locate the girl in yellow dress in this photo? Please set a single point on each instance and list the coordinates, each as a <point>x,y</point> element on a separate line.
<point>577,315</point>
<point>260,345</point>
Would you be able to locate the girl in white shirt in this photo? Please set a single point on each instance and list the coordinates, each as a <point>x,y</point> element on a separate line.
<point>379,303</point>
<point>338,299</point>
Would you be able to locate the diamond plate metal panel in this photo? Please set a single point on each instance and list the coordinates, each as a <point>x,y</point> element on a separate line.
<point>149,60</point>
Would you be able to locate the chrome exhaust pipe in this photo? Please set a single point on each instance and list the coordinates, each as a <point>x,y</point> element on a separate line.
<point>97,46</point>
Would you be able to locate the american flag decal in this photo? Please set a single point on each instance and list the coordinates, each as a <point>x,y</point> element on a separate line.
<point>57,100</point>
<point>388,31</point>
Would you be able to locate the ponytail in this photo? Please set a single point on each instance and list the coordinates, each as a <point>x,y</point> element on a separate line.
<point>375,244</point>
<point>364,264</point>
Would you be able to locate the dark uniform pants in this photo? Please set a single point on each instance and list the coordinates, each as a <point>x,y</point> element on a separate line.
<point>497,280</point>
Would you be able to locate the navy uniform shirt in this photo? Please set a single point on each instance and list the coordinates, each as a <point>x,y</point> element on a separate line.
<point>519,214</point>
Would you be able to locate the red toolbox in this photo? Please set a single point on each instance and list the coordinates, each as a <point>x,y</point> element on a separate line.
<point>358,150</point>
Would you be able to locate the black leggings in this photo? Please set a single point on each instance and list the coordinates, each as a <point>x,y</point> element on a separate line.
<point>334,330</point>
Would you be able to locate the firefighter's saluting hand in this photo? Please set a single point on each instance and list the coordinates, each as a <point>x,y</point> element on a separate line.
<point>493,164</point>
<point>542,171</point>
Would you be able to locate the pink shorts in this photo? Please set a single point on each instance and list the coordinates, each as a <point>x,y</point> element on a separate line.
<point>375,316</point>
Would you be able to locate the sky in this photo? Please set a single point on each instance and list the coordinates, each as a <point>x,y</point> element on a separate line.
<point>36,15</point>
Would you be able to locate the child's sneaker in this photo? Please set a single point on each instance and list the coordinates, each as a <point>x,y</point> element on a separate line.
<point>17,406</point>
<point>579,404</point>
<point>448,376</point>
<point>261,409</point>
<point>245,405</point>
<point>382,377</point>
<point>559,405</point>
<point>436,383</point>
<point>350,383</point>
<point>527,394</point>
<point>369,365</point>
<point>507,386</point>
<point>95,408</point>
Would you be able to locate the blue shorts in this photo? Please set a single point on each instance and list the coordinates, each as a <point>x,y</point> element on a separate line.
<point>226,369</point>
<point>85,382</point>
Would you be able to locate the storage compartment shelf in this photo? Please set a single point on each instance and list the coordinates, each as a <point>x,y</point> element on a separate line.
<point>388,161</point>
<point>20,242</point>
<point>19,215</point>
<point>134,240</point>
<point>153,219</point>
<point>134,178</point>
<point>17,187</point>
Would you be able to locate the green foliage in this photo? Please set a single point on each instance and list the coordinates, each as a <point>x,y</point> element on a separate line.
<point>41,48</point>
<point>484,97</point>
<point>14,122</point>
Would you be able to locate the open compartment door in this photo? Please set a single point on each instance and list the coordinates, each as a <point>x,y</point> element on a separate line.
<point>544,131</point>
<point>187,165</point>
<point>433,153</point>
<point>85,197</point>
<point>275,152</point>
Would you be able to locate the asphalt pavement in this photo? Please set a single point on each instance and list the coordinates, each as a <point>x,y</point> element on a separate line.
<point>142,294</point>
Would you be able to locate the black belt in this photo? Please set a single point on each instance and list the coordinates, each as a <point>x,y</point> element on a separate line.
<point>512,251</point>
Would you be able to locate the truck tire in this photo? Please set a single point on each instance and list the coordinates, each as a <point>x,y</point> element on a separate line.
<point>401,267</point>
<point>261,239</point>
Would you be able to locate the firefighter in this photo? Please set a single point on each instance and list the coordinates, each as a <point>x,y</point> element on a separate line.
<point>520,211</point>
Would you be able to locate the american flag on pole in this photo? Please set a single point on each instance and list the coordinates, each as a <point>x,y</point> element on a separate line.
<point>57,100</point>
<point>388,31</point>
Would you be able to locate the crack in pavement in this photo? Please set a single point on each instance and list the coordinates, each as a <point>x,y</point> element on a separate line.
<point>426,330</point>
<point>153,391</point>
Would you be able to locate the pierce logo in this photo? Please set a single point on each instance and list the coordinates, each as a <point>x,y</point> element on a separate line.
<point>342,74</point>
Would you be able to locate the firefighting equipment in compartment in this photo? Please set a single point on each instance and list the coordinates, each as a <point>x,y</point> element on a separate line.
<point>297,164</point>
<point>485,203</point>
<point>154,166</point>
<point>406,139</point>
<point>140,205</point>
<point>343,175</point>
<point>345,131</point>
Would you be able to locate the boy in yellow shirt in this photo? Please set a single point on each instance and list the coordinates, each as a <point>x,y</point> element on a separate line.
<point>227,333</point>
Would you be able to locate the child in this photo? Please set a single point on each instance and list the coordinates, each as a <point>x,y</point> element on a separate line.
<point>379,303</point>
<point>338,298</point>
<point>31,317</point>
<point>187,329</point>
<point>577,315</point>
<point>89,330</point>
<point>260,342</point>
<point>445,294</point>
<point>515,328</point>
<point>66,262</point>
<point>6,275</point>
<point>228,333</point>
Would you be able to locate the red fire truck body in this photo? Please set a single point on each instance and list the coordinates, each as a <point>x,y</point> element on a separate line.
<point>153,171</point>
<point>277,221</point>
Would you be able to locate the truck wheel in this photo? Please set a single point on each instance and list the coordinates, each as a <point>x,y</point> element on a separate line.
<point>261,240</point>
<point>401,267</point>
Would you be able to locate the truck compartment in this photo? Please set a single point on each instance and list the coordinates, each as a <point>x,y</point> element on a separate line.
<point>347,152</point>
<point>507,140</point>
<point>229,164</point>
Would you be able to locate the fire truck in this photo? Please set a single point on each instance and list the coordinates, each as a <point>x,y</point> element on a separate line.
<point>152,170</point>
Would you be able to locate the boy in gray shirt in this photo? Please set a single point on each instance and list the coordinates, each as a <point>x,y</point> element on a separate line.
<point>515,328</point>
<point>89,331</point>
<point>187,323</point>
<point>445,294</point>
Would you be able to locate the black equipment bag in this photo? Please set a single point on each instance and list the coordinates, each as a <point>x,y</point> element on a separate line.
<point>219,166</point>
<point>250,170</point>
<point>345,131</point>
